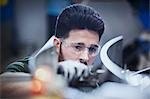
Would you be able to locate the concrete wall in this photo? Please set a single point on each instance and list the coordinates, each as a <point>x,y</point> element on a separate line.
<point>31,22</point>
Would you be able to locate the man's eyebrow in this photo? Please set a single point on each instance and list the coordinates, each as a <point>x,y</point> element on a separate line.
<point>94,45</point>
<point>80,43</point>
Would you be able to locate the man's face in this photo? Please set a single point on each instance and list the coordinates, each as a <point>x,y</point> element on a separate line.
<point>79,46</point>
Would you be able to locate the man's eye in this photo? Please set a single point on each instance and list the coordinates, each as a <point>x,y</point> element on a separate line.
<point>78,48</point>
<point>92,50</point>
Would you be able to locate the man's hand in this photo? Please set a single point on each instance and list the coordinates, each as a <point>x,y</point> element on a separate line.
<point>72,70</point>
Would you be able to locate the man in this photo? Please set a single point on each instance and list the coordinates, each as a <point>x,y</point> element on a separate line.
<point>77,35</point>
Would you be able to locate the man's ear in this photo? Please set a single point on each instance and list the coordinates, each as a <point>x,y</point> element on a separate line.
<point>57,43</point>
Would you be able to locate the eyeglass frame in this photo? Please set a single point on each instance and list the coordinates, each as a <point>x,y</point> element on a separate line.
<point>72,44</point>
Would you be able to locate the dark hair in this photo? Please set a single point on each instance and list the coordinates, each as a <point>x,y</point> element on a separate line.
<point>78,16</point>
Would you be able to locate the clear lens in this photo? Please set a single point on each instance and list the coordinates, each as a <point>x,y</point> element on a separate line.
<point>80,47</point>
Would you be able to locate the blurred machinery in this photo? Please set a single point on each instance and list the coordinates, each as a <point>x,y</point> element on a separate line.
<point>135,84</point>
<point>45,81</point>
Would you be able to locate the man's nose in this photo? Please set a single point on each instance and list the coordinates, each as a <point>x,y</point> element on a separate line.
<point>84,57</point>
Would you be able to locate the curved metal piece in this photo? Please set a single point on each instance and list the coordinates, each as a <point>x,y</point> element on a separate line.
<point>108,63</point>
<point>132,78</point>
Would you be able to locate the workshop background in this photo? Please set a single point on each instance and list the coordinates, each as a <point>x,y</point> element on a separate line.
<point>26,25</point>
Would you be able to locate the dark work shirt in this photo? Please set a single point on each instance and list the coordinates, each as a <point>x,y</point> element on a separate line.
<point>18,66</point>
